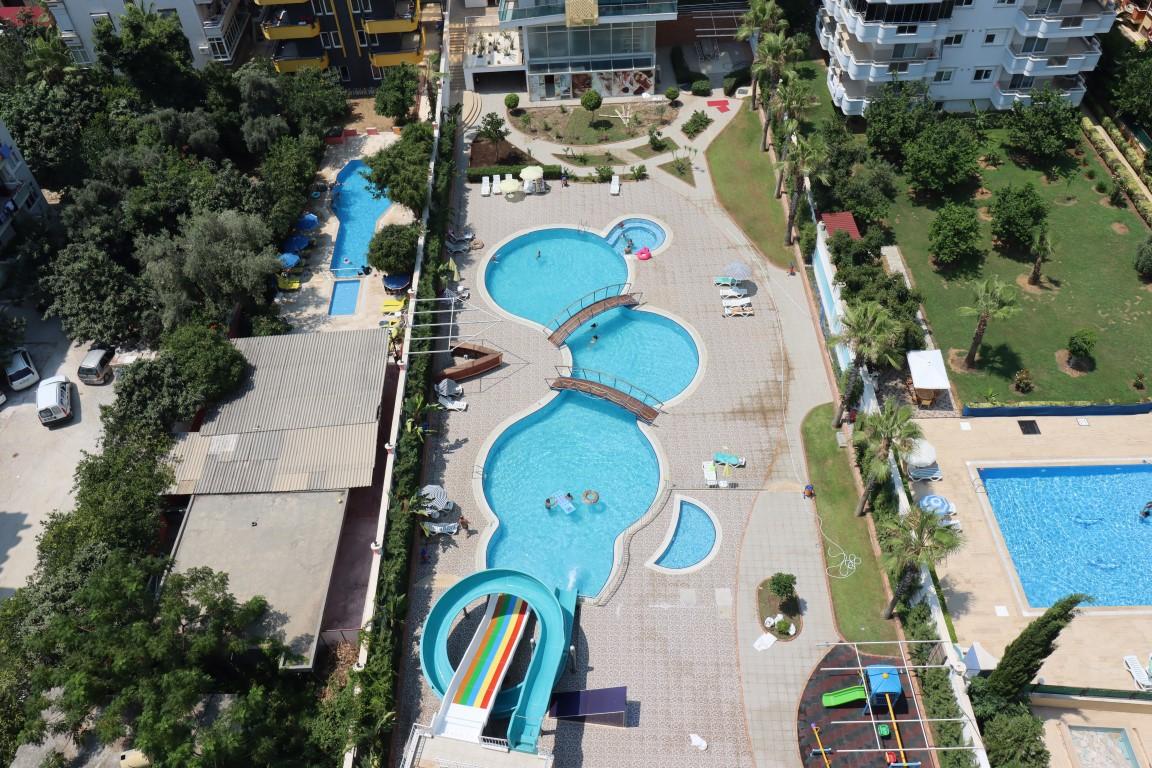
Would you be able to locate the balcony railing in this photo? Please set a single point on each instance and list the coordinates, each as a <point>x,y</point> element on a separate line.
<point>295,55</point>
<point>392,16</point>
<point>520,10</point>
<point>289,23</point>
<point>394,49</point>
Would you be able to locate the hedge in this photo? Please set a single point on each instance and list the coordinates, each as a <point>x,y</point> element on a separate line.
<point>737,78</point>
<point>476,174</point>
<point>684,75</point>
<point>1118,170</point>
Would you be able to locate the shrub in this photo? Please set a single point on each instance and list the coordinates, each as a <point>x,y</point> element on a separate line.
<point>656,140</point>
<point>1140,380</point>
<point>782,626</point>
<point>807,239</point>
<point>955,234</point>
<point>1116,195</point>
<point>783,586</point>
<point>737,78</point>
<point>511,101</point>
<point>702,87</point>
<point>604,173</point>
<point>393,249</point>
<point>591,100</point>
<point>672,94</point>
<point>1016,738</point>
<point>1082,344</point>
<point>1100,186</point>
<point>696,124</point>
<point>639,172</point>
<point>1143,261</point>
<point>1022,381</point>
<point>1016,213</point>
<point>1090,174</point>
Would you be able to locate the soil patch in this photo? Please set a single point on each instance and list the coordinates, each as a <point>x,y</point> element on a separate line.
<point>485,153</point>
<point>770,608</point>
<point>1119,228</point>
<point>983,193</point>
<point>579,127</point>
<point>984,213</point>
<point>1062,358</point>
<point>1045,285</point>
<point>956,360</point>
<point>1067,200</point>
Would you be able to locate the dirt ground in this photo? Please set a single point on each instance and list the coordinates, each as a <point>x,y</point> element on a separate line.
<point>364,116</point>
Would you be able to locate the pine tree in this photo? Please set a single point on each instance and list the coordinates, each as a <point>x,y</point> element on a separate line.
<point>1024,655</point>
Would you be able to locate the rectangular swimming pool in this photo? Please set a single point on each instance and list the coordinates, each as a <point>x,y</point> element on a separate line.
<point>345,294</point>
<point>1103,747</point>
<point>1076,529</point>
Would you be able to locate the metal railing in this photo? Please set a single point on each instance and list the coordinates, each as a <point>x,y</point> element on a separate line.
<point>613,381</point>
<point>1096,693</point>
<point>583,303</point>
<point>492,742</point>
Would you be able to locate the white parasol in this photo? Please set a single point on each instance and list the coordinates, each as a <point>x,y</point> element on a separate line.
<point>532,173</point>
<point>509,186</point>
<point>737,270</point>
<point>922,454</point>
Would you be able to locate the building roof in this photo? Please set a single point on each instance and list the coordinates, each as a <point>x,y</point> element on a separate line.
<point>840,222</point>
<point>16,16</point>
<point>307,419</point>
<point>927,368</point>
<point>279,546</point>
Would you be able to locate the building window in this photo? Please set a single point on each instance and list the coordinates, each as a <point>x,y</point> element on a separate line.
<point>982,76</point>
<point>906,29</point>
<point>377,73</point>
<point>362,37</point>
<point>897,68</point>
<point>80,55</point>
<point>1045,7</point>
<point>167,12</point>
<point>220,50</point>
<point>904,51</point>
<point>100,18</point>
<point>1035,45</point>
<point>318,7</point>
<point>1072,22</point>
<point>963,3</point>
<point>345,74</point>
<point>366,6</point>
<point>1005,2</point>
<point>330,41</point>
<point>1020,82</point>
<point>954,39</point>
<point>943,76</point>
<point>355,5</point>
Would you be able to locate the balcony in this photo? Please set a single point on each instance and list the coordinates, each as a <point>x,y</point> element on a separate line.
<point>1068,20</point>
<point>217,18</point>
<point>543,11</point>
<point>402,48</point>
<point>880,64</point>
<point>850,96</point>
<point>289,23</point>
<point>388,16</point>
<point>1004,95</point>
<point>885,33</point>
<point>280,2</point>
<point>1062,57</point>
<point>295,55</point>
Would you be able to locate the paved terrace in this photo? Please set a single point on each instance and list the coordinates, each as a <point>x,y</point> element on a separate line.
<point>682,644</point>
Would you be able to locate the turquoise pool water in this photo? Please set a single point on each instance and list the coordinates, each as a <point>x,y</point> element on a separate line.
<point>1076,529</point>
<point>643,233</point>
<point>344,296</point>
<point>571,264</point>
<point>1103,747</point>
<point>358,211</point>
<point>693,539</point>
<point>572,444</point>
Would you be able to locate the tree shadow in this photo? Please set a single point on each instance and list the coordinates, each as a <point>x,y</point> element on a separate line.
<point>1014,253</point>
<point>964,270</point>
<point>1001,361</point>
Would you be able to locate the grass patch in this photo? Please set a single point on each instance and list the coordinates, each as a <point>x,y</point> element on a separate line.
<point>687,176</point>
<point>644,151</point>
<point>744,179</point>
<point>588,159</point>
<point>1093,286</point>
<point>859,599</point>
<point>814,74</point>
<point>579,127</point>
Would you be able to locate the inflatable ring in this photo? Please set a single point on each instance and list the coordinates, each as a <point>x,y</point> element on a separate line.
<point>590,496</point>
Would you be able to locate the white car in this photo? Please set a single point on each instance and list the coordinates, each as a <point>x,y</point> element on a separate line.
<point>54,400</point>
<point>20,370</point>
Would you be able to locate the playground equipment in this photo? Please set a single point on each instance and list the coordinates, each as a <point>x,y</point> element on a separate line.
<point>823,751</point>
<point>844,696</point>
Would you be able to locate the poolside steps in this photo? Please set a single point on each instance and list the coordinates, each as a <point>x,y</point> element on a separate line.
<point>637,407</point>
<point>561,334</point>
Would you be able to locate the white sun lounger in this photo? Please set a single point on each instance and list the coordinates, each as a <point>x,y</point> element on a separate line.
<point>740,302</point>
<point>486,186</point>
<point>614,188</point>
<point>449,388</point>
<point>1139,674</point>
<point>725,280</point>
<point>431,529</point>
<point>710,478</point>
<point>733,292</point>
<point>743,310</point>
<point>452,405</point>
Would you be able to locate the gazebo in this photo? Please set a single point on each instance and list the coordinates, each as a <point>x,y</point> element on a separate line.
<point>929,376</point>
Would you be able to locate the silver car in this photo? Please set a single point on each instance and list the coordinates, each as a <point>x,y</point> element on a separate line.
<point>20,370</point>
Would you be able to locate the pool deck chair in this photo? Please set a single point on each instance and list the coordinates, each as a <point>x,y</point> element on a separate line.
<point>738,302</point>
<point>449,404</point>
<point>486,186</point>
<point>614,187</point>
<point>744,310</point>
<point>731,459</point>
<point>710,478</point>
<point>724,280</point>
<point>600,706</point>
<point>931,472</point>
<point>449,388</point>
<point>1139,674</point>
<point>432,529</point>
<point>733,292</point>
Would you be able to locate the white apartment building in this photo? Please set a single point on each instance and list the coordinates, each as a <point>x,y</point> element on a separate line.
<point>213,27</point>
<point>972,53</point>
<point>18,189</point>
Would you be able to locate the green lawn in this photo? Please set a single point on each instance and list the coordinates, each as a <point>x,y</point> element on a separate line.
<point>588,159</point>
<point>815,74</point>
<point>859,599</point>
<point>688,176</point>
<point>645,150</point>
<point>744,179</point>
<point>1094,287</point>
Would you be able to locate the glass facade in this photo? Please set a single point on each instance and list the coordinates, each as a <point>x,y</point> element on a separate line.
<point>614,59</point>
<point>604,41</point>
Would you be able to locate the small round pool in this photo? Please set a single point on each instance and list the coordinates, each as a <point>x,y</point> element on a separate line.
<point>691,540</point>
<point>642,233</point>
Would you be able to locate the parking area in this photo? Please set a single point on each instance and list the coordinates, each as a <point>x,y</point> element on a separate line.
<point>36,463</point>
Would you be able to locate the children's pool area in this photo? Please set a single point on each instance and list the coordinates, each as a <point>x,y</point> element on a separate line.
<point>1076,529</point>
<point>358,210</point>
<point>1102,747</point>
<point>691,540</point>
<point>640,233</point>
<point>345,294</point>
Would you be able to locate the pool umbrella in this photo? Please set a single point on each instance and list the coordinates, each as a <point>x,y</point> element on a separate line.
<point>737,270</point>
<point>532,173</point>
<point>509,186</point>
<point>289,260</point>
<point>936,503</point>
<point>397,282</point>
<point>922,454</point>
<point>435,497</point>
<point>307,222</point>
<point>296,243</point>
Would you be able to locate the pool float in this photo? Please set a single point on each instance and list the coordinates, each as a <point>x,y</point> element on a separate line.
<point>590,496</point>
<point>644,254</point>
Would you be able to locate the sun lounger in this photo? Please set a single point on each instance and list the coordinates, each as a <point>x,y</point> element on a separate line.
<point>731,459</point>
<point>486,187</point>
<point>744,310</point>
<point>286,283</point>
<point>723,280</point>
<point>1139,674</point>
<point>931,472</point>
<point>449,388</point>
<point>452,405</point>
<point>740,302</point>
<point>392,306</point>
<point>432,529</point>
<point>710,478</point>
<point>733,292</point>
<point>614,188</point>
<point>951,522</point>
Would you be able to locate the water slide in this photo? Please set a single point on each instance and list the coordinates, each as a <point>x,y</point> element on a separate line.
<point>526,702</point>
<point>472,693</point>
<point>845,696</point>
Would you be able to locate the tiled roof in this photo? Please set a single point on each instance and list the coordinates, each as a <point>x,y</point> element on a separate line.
<point>840,222</point>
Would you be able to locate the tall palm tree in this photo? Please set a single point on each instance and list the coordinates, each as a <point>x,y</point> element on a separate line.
<point>889,429</point>
<point>791,99</point>
<point>788,129</point>
<point>1041,252</point>
<point>873,333</point>
<point>774,53</point>
<point>806,157</point>
<point>994,300</point>
<point>917,539</point>
<point>761,16</point>
<point>47,60</point>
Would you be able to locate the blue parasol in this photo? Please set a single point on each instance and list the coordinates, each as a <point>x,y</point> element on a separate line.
<point>289,260</point>
<point>307,222</point>
<point>397,282</point>
<point>296,243</point>
<point>936,503</point>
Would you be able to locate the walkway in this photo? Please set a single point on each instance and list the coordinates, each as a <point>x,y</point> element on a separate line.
<point>642,410</point>
<point>561,334</point>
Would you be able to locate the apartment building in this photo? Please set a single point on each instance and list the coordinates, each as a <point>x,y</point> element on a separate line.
<point>972,53</point>
<point>214,28</point>
<point>18,190</point>
<point>356,39</point>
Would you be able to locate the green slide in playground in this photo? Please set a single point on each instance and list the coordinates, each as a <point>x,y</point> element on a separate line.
<point>845,696</point>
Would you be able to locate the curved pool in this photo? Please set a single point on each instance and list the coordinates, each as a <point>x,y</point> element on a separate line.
<point>642,233</point>
<point>691,540</point>
<point>356,206</point>
<point>572,444</point>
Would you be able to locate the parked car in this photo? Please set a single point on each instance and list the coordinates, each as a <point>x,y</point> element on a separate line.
<point>20,370</point>
<point>96,367</point>
<point>54,400</point>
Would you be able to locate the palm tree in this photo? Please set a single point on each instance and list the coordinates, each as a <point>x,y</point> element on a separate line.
<point>889,429</point>
<point>1042,251</point>
<point>873,334</point>
<point>761,16</point>
<point>805,158</point>
<point>994,301</point>
<point>791,99</point>
<point>47,60</point>
<point>916,540</point>
<point>775,52</point>
<point>418,409</point>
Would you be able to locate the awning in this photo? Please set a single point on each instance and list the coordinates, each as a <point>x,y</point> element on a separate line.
<point>928,371</point>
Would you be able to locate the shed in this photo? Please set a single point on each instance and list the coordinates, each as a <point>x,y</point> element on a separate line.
<point>929,376</point>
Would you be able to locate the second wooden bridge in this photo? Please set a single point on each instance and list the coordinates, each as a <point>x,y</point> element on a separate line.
<point>586,307</point>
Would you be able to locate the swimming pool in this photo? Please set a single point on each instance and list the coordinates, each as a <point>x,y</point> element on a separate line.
<point>643,233</point>
<point>691,539</point>
<point>572,444</point>
<point>345,294</point>
<point>1076,529</point>
<point>1103,747</point>
<point>358,210</point>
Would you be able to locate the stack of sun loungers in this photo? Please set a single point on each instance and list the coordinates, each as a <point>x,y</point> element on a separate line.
<point>733,297</point>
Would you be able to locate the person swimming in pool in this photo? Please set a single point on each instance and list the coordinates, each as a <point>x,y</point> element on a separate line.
<point>548,503</point>
<point>1146,512</point>
<point>594,340</point>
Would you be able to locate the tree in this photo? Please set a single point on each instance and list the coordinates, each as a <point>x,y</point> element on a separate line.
<point>943,155</point>
<point>896,116</point>
<point>397,92</point>
<point>1143,261</point>
<point>314,101</point>
<point>1081,345</point>
<point>1046,128</point>
<point>1130,93</point>
<point>46,60</point>
<point>916,540</point>
<point>400,170</point>
<point>511,102</point>
<point>1025,655</point>
<point>591,100</point>
<point>151,51</point>
<point>805,159</point>
<point>869,190</point>
<point>11,330</point>
<point>783,586</point>
<point>955,234</point>
<point>762,16</point>
<point>210,366</point>
<point>1017,211</point>
<point>791,100</point>
<point>774,53</point>
<point>1041,252</point>
<point>393,249</point>
<point>1015,739</point>
<point>672,94</point>
<point>870,331</point>
<point>493,130</point>
<point>890,429</point>
<point>45,120</point>
<point>993,301</point>
<point>285,174</point>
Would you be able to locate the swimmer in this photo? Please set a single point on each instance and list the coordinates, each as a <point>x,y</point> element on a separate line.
<point>1145,513</point>
<point>548,503</point>
<point>537,255</point>
<point>594,325</point>
<point>568,496</point>
<point>594,340</point>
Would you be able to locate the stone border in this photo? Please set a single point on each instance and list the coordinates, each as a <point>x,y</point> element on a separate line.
<point>680,499</point>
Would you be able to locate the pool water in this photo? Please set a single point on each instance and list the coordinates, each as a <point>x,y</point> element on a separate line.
<point>1103,747</point>
<point>1076,529</point>
<point>644,233</point>
<point>344,296</point>
<point>571,264</point>
<point>692,541</point>
<point>572,444</point>
<point>358,210</point>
